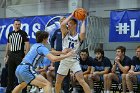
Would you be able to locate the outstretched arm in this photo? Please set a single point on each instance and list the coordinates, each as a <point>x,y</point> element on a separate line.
<point>64,29</point>
<point>82,31</point>
<point>54,58</point>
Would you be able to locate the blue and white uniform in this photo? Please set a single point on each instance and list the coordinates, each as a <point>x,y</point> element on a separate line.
<point>25,72</point>
<point>71,62</point>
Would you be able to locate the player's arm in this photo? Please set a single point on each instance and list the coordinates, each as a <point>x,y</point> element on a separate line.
<point>64,29</point>
<point>53,40</point>
<point>54,52</point>
<point>132,67</point>
<point>88,70</point>
<point>7,49</point>
<point>54,58</point>
<point>123,69</point>
<point>82,31</point>
<point>26,41</point>
<point>27,47</point>
<point>114,68</point>
<point>92,70</point>
<point>106,70</point>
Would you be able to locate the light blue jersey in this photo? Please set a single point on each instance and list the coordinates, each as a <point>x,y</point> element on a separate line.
<point>44,63</point>
<point>25,72</point>
<point>36,54</point>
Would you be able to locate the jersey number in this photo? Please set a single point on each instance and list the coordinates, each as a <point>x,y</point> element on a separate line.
<point>71,45</point>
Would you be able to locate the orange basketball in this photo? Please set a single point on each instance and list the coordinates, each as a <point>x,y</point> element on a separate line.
<point>80,13</point>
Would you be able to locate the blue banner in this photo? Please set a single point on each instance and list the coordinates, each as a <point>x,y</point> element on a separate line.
<point>29,24</point>
<point>124,26</point>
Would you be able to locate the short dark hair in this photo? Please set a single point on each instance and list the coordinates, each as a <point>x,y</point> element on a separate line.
<point>85,50</point>
<point>40,35</point>
<point>99,50</point>
<point>74,20</point>
<point>17,20</point>
<point>122,48</point>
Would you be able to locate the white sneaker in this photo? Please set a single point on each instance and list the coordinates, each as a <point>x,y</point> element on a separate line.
<point>41,91</point>
<point>33,90</point>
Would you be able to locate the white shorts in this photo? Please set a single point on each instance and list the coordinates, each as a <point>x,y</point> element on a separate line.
<point>66,65</point>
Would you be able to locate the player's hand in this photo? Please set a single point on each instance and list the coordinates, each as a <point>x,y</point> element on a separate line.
<point>95,73</point>
<point>113,70</point>
<point>131,72</point>
<point>5,59</point>
<point>90,76</point>
<point>51,68</point>
<point>66,50</point>
<point>117,59</point>
<point>73,13</point>
<point>71,53</point>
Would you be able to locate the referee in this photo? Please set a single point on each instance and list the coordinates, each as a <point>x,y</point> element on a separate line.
<point>16,41</point>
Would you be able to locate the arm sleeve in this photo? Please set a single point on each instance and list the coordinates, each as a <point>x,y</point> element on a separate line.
<point>43,50</point>
<point>128,62</point>
<point>53,39</point>
<point>46,62</point>
<point>107,63</point>
<point>133,61</point>
<point>8,37</point>
<point>25,37</point>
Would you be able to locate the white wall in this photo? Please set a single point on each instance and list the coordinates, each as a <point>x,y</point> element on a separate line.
<point>103,7</point>
<point>17,2</point>
<point>43,8</point>
<point>2,12</point>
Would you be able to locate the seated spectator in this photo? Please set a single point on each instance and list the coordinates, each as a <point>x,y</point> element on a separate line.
<point>86,64</point>
<point>133,76</point>
<point>122,63</point>
<point>101,66</point>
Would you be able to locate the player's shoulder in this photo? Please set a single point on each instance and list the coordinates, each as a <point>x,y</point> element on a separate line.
<point>127,58</point>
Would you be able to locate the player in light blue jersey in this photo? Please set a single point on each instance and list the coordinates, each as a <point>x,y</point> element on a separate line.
<point>26,73</point>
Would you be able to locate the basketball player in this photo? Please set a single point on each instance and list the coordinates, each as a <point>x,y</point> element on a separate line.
<point>26,73</point>
<point>71,39</point>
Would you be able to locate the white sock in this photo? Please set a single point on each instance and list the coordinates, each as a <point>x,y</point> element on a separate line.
<point>131,92</point>
<point>74,89</point>
<point>92,90</point>
<point>107,91</point>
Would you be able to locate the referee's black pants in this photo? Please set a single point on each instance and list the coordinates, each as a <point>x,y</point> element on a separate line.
<point>15,58</point>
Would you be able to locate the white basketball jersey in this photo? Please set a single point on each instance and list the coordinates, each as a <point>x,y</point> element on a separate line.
<point>71,42</point>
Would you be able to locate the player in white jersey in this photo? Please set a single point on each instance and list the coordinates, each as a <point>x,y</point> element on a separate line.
<point>72,40</point>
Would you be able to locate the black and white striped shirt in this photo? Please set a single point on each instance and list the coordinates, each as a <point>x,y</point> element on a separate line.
<point>17,40</point>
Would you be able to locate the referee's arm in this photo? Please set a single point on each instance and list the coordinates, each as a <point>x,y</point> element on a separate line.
<point>27,47</point>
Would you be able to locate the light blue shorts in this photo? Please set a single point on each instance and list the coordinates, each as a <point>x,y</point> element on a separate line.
<point>25,73</point>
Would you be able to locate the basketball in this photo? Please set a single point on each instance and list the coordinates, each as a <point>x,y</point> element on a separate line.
<point>80,13</point>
